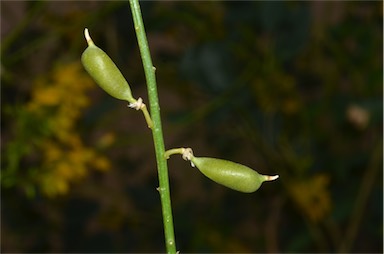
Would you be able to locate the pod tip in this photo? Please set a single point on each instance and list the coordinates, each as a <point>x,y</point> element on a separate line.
<point>88,37</point>
<point>271,178</point>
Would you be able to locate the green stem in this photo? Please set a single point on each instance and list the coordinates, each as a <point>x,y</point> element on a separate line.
<point>157,133</point>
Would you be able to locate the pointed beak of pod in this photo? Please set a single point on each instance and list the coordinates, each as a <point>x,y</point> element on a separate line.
<point>270,178</point>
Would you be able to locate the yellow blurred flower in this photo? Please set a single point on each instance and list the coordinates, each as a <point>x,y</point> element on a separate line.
<point>312,196</point>
<point>101,163</point>
<point>53,186</point>
<point>106,140</point>
<point>47,97</point>
<point>52,152</point>
<point>64,170</point>
<point>60,98</point>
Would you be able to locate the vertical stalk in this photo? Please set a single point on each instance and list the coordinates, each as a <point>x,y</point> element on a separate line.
<point>157,133</point>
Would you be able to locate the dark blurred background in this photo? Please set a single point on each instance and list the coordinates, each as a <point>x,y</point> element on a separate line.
<point>288,88</point>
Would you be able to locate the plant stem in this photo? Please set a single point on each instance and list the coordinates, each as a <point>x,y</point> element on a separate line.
<point>157,133</point>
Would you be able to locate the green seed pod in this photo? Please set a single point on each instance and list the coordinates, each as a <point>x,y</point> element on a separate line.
<point>104,71</point>
<point>230,174</point>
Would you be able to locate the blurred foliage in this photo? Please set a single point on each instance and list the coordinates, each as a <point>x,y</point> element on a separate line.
<point>288,88</point>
